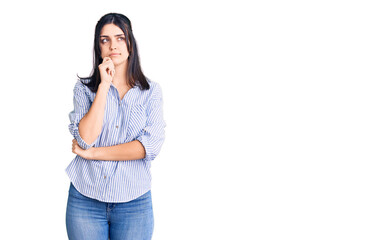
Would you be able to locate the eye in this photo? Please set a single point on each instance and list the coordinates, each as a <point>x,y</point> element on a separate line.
<point>104,40</point>
<point>120,38</point>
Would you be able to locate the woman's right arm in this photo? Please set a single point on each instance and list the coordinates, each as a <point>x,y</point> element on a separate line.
<point>90,125</point>
<point>87,117</point>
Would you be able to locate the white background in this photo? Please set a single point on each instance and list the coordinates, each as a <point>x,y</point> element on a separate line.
<point>270,111</point>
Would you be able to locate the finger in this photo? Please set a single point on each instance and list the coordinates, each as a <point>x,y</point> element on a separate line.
<point>74,149</point>
<point>111,63</point>
<point>107,60</point>
<point>105,64</point>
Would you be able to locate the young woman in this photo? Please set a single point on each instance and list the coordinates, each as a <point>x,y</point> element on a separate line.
<point>118,129</point>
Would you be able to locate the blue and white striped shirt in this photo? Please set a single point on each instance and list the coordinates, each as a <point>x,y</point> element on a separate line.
<point>138,116</point>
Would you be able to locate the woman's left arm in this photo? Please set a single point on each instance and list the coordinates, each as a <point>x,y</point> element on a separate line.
<point>127,151</point>
<point>146,146</point>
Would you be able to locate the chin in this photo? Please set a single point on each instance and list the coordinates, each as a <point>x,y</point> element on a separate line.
<point>119,62</point>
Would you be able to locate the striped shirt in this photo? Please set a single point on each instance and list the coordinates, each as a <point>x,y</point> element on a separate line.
<point>138,116</point>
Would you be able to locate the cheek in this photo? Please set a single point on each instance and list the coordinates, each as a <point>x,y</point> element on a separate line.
<point>102,52</point>
<point>125,49</point>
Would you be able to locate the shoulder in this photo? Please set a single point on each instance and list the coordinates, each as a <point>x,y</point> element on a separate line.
<point>146,96</point>
<point>80,84</point>
<point>155,90</point>
<point>80,89</point>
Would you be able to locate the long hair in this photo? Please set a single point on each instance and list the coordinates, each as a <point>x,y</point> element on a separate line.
<point>134,73</point>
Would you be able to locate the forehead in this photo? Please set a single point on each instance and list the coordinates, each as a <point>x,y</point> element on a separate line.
<point>111,30</point>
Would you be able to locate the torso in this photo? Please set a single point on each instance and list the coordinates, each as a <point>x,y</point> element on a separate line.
<point>122,90</point>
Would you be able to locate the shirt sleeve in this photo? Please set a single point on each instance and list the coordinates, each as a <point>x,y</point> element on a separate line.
<point>82,104</point>
<point>153,134</point>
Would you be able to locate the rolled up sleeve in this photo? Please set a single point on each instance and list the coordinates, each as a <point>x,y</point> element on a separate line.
<point>153,134</point>
<point>81,103</point>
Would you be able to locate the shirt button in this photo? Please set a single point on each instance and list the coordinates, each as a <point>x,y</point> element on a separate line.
<point>104,177</point>
<point>117,126</point>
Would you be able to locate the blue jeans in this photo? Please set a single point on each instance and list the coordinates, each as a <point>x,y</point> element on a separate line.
<point>87,218</point>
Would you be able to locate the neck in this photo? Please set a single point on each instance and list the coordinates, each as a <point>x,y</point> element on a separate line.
<point>120,78</point>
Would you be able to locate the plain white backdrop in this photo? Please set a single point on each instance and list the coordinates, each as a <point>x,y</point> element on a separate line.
<point>269,105</point>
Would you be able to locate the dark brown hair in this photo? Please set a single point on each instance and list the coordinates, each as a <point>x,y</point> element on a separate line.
<point>134,73</point>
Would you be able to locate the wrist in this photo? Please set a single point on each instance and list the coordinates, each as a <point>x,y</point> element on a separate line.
<point>105,85</point>
<point>96,153</point>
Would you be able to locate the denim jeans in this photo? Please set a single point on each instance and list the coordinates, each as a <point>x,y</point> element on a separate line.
<point>87,218</point>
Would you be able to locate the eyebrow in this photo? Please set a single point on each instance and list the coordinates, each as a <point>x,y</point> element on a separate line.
<point>117,35</point>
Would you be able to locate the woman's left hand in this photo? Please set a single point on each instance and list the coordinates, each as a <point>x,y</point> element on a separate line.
<point>87,154</point>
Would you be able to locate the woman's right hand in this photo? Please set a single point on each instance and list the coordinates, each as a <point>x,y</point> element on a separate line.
<point>106,70</point>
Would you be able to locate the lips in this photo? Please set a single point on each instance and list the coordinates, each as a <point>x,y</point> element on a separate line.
<point>114,54</point>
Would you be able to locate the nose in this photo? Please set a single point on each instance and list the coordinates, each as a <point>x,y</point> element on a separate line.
<point>113,45</point>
